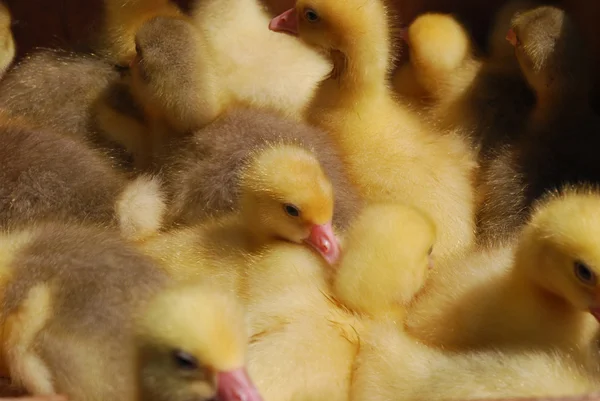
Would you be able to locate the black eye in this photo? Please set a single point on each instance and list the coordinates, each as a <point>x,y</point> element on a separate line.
<point>584,273</point>
<point>430,251</point>
<point>311,15</point>
<point>185,361</point>
<point>291,210</point>
<point>138,49</point>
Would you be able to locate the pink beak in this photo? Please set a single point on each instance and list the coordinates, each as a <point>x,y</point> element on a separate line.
<point>236,385</point>
<point>325,242</point>
<point>511,36</point>
<point>286,22</point>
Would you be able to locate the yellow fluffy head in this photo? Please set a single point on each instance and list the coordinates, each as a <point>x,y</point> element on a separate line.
<point>549,50</point>
<point>186,338</point>
<point>386,259</point>
<point>348,27</point>
<point>7,42</point>
<point>438,43</point>
<point>559,247</point>
<point>285,190</point>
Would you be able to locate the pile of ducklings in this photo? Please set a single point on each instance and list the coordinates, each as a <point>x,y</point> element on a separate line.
<point>230,205</point>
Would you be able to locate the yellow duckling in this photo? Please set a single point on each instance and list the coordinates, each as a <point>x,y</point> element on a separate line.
<point>283,195</point>
<point>391,154</point>
<point>547,297</point>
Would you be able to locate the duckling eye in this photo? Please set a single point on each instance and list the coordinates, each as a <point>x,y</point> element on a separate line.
<point>584,273</point>
<point>138,49</point>
<point>291,210</point>
<point>185,361</point>
<point>311,15</point>
<point>430,251</point>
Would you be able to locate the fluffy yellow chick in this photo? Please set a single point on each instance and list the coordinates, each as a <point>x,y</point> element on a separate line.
<point>85,315</point>
<point>391,366</point>
<point>386,260</point>
<point>391,155</point>
<point>123,18</point>
<point>283,195</point>
<point>303,338</point>
<point>250,65</point>
<point>442,62</point>
<point>547,297</point>
<point>7,49</point>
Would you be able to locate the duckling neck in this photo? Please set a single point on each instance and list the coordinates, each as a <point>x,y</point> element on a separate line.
<point>551,105</point>
<point>362,66</point>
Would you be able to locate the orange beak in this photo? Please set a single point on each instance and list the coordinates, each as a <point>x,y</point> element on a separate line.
<point>324,241</point>
<point>511,36</point>
<point>287,22</point>
<point>236,385</point>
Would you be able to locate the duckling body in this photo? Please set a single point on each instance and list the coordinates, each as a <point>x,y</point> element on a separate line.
<point>390,153</point>
<point>202,172</point>
<point>76,94</point>
<point>413,371</point>
<point>45,175</point>
<point>64,311</point>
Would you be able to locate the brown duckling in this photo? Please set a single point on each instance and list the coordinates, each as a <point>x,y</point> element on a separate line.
<point>558,144</point>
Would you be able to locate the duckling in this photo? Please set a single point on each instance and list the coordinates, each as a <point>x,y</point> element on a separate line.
<point>122,20</point>
<point>311,318</point>
<point>239,59</point>
<point>442,62</point>
<point>391,365</point>
<point>283,195</point>
<point>375,283</point>
<point>546,297</point>
<point>202,171</point>
<point>390,153</point>
<point>7,49</point>
<point>64,313</point>
<point>76,94</point>
<point>45,175</point>
<point>550,152</point>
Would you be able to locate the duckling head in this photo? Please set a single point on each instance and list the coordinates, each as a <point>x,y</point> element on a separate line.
<point>191,346</point>
<point>7,42</point>
<point>285,194</point>
<point>559,248</point>
<point>437,42</point>
<point>341,29</point>
<point>549,51</point>
<point>387,258</point>
<point>164,45</point>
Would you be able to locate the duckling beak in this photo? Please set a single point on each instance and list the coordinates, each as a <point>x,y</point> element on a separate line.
<point>323,239</point>
<point>286,22</point>
<point>511,36</point>
<point>236,385</point>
